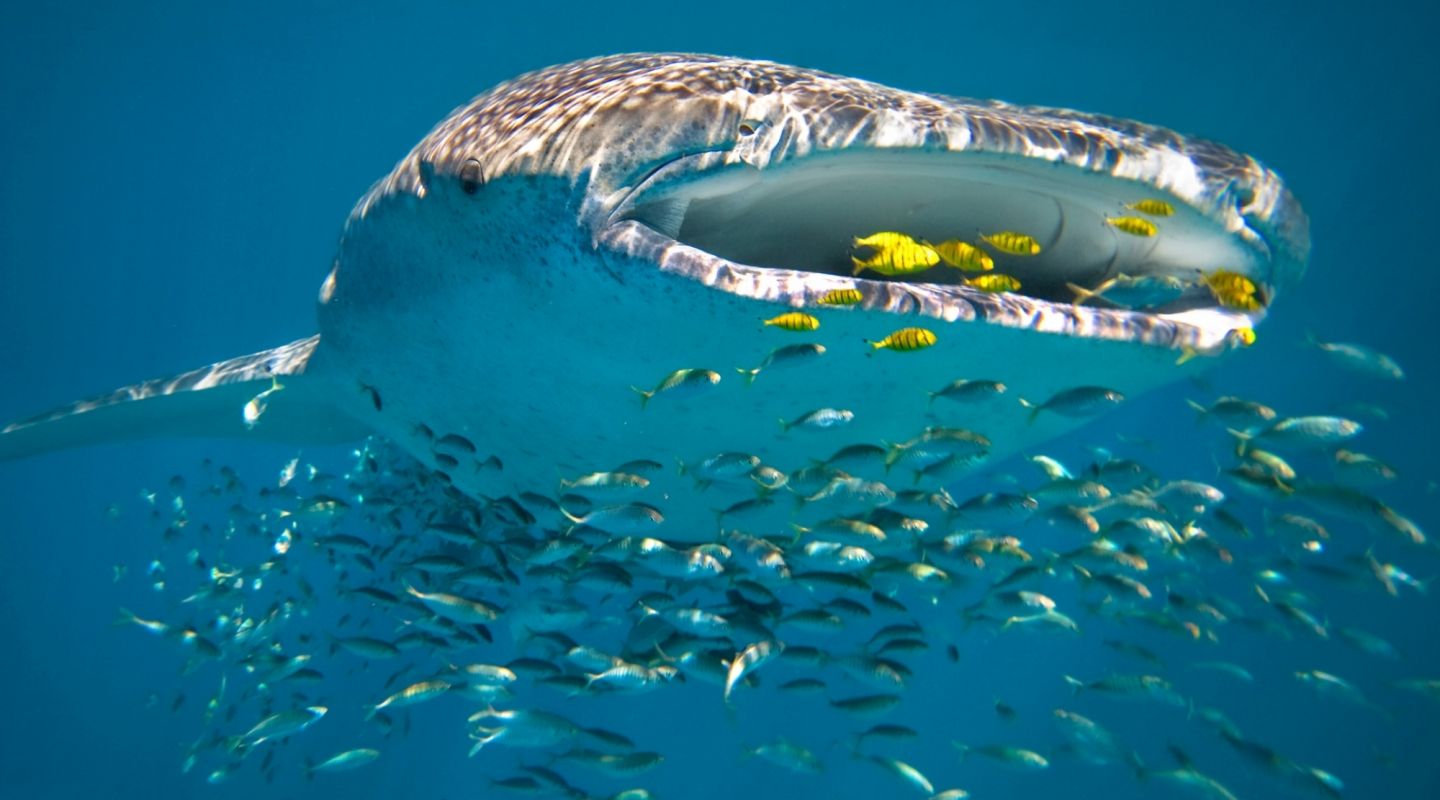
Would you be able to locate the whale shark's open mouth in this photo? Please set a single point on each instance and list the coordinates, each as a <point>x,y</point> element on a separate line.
<point>788,233</point>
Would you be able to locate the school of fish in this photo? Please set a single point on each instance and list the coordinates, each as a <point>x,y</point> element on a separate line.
<point>828,587</point>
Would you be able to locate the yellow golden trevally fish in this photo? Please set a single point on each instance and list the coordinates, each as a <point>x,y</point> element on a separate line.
<point>1135,226</point>
<point>794,321</point>
<point>906,339</point>
<point>994,283</point>
<point>1153,207</point>
<point>1233,290</point>
<point>895,254</point>
<point>1015,244</point>
<point>841,297</point>
<point>964,255</point>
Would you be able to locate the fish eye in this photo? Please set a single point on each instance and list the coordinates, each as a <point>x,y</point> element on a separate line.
<point>471,178</point>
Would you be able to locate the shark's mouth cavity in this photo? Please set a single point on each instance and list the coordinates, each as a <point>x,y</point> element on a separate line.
<point>803,218</point>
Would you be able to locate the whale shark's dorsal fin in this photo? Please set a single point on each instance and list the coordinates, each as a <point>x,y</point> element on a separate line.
<point>211,401</point>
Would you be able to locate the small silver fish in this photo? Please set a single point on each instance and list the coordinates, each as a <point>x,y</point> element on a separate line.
<point>791,355</point>
<point>350,759</point>
<point>1133,291</point>
<point>748,660</point>
<point>1081,401</point>
<point>1359,358</point>
<point>968,391</point>
<point>681,382</point>
<point>820,419</point>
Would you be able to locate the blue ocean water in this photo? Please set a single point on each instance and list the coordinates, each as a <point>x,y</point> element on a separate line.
<point>177,177</point>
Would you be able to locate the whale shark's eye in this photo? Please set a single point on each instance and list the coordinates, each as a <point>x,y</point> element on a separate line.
<point>748,128</point>
<point>471,178</point>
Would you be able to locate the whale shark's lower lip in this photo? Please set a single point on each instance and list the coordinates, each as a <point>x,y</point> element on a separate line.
<point>785,234</point>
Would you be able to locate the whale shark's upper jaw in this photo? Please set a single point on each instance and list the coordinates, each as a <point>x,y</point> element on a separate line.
<point>783,232</point>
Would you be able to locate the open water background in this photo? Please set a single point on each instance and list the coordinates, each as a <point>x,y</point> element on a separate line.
<point>174,179</point>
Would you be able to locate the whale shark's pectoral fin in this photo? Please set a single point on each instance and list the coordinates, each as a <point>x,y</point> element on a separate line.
<point>266,395</point>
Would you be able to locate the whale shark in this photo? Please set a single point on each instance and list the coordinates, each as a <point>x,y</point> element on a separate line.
<point>584,232</point>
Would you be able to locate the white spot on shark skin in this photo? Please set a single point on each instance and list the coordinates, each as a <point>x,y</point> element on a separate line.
<point>523,310</point>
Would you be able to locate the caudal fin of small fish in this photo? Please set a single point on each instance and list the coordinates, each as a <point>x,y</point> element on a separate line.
<point>480,743</point>
<point>1201,412</point>
<point>644,395</point>
<point>1243,437</point>
<point>1082,295</point>
<point>1136,764</point>
<point>1034,410</point>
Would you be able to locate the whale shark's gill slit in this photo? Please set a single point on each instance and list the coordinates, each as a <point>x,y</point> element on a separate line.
<point>805,216</point>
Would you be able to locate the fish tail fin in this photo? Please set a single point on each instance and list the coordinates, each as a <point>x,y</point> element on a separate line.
<point>227,399</point>
<point>371,711</point>
<point>480,742</point>
<point>749,374</point>
<point>1137,765</point>
<point>1082,295</point>
<point>1244,438</point>
<point>1186,353</point>
<point>1034,410</point>
<point>125,617</point>
<point>962,747</point>
<point>1200,411</point>
<point>1260,591</point>
<point>309,769</point>
<point>574,520</point>
<point>893,452</point>
<point>800,530</point>
<point>859,265</point>
<point>644,396</point>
